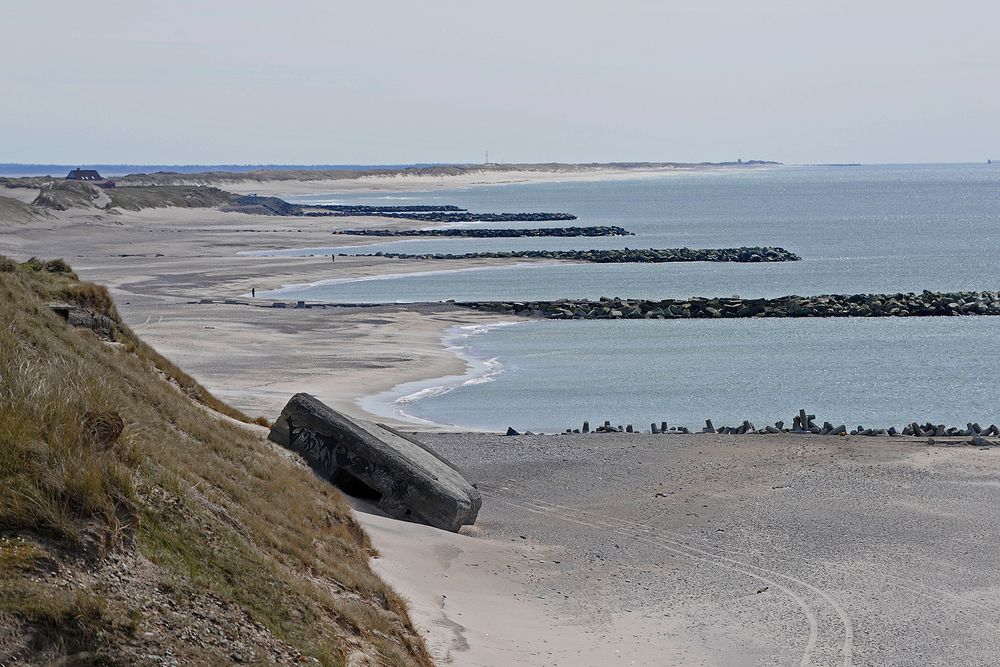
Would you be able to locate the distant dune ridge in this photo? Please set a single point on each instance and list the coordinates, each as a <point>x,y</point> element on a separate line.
<point>263,175</point>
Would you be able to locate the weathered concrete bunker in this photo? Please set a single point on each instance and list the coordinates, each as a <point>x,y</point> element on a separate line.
<point>402,476</point>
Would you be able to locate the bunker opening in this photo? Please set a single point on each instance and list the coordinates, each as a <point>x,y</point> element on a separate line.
<point>353,486</point>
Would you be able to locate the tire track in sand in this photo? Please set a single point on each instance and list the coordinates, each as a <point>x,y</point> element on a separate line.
<point>647,534</point>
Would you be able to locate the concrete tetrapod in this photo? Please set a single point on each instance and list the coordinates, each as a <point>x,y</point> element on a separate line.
<point>402,476</point>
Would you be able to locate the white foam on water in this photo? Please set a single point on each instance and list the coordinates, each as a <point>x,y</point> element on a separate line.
<point>399,402</point>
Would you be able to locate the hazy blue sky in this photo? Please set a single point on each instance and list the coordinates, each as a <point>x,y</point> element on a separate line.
<point>374,81</point>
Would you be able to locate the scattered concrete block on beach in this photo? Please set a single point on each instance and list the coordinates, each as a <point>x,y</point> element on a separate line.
<point>398,473</point>
<point>805,424</point>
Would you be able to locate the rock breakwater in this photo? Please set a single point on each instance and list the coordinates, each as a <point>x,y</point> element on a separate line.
<point>351,209</point>
<point>456,217</point>
<point>924,304</point>
<point>472,232</point>
<point>616,256</point>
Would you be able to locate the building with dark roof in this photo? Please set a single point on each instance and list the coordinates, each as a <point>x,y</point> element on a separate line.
<point>83,175</point>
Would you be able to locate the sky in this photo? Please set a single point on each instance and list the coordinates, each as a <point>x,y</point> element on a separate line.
<point>399,82</point>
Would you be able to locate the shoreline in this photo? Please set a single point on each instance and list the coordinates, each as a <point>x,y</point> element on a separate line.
<point>285,290</point>
<point>477,370</point>
<point>254,358</point>
<point>346,358</point>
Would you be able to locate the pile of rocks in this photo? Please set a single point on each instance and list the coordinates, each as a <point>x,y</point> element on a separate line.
<point>467,232</point>
<point>925,304</point>
<point>940,430</point>
<point>620,256</point>
<point>254,205</point>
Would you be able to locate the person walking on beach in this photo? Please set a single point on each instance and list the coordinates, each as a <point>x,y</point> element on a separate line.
<point>253,292</point>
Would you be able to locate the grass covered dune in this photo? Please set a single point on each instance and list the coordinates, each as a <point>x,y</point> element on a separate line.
<point>144,522</point>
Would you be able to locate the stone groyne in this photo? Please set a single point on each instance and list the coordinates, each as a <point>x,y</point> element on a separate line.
<point>351,209</point>
<point>455,217</point>
<point>616,256</point>
<point>477,233</point>
<point>924,304</point>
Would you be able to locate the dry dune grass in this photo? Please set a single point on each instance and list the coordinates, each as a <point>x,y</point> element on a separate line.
<point>103,457</point>
<point>62,195</point>
<point>138,198</point>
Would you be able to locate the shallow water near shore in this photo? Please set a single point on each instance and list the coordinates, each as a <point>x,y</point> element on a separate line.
<point>888,228</point>
<point>552,375</point>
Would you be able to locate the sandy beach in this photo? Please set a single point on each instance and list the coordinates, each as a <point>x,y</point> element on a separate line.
<point>161,263</point>
<point>589,550</point>
<point>714,550</point>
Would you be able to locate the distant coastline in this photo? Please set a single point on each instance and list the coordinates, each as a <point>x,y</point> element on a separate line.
<point>16,169</point>
<point>268,172</point>
<point>285,180</point>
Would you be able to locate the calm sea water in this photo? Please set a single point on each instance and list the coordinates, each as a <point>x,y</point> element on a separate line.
<point>550,375</point>
<point>859,229</point>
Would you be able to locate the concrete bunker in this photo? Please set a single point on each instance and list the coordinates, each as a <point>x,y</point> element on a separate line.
<point>401,475</point>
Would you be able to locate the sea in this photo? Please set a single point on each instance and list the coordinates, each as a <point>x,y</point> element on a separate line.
<point>859,229</point>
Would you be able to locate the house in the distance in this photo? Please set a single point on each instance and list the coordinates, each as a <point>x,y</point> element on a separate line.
<point>83,175</point>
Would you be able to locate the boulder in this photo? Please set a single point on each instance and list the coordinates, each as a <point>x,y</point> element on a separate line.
<point>402,476</point>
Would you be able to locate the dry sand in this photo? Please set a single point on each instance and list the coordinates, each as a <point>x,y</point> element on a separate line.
<point>714,550</point>
<point>590,550</point>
